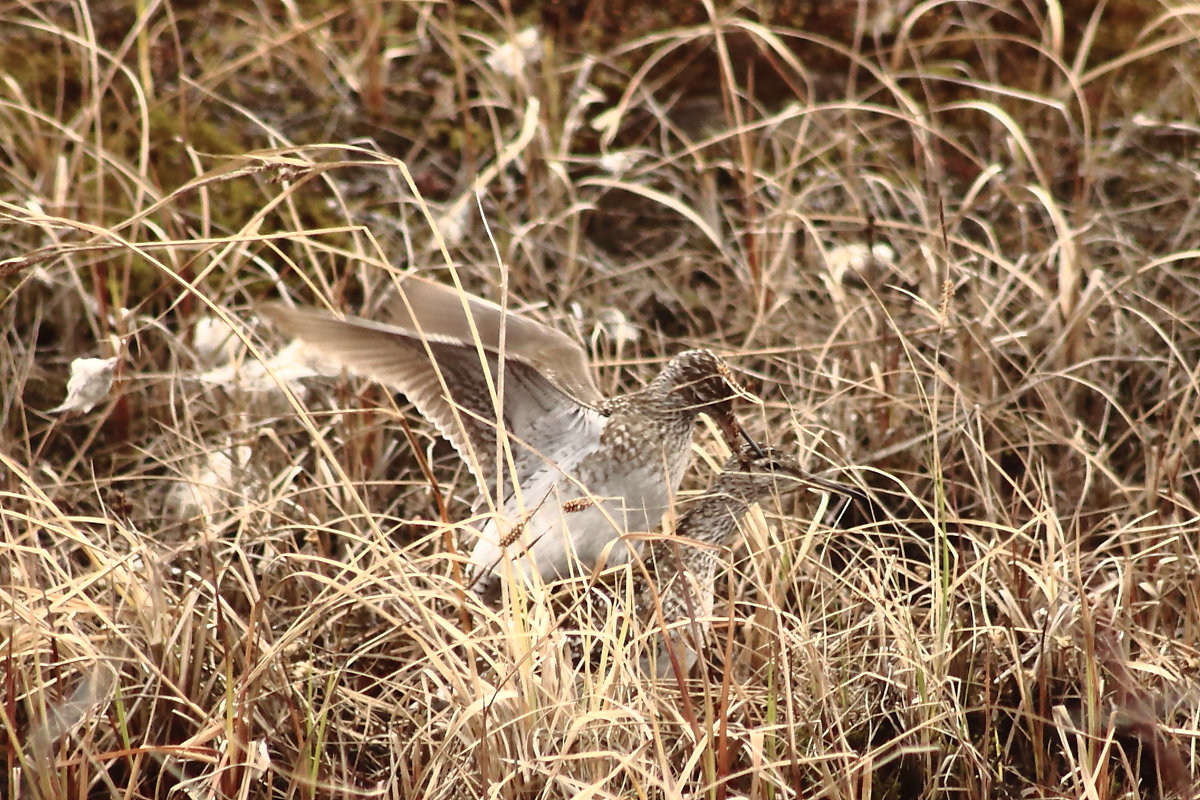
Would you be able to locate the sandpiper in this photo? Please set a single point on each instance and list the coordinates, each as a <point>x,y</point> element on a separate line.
<point>672,589</point>
<point>565,470</point>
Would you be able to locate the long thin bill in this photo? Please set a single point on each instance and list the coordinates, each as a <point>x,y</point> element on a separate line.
<point>754,446</point>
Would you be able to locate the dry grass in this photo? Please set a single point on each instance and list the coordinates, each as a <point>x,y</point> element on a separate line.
<point>207,591</point>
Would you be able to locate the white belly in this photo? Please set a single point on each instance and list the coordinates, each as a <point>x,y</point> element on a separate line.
<point>555,538</point>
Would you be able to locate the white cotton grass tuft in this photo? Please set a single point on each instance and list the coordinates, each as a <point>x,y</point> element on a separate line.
<point>290,365</point>
<point>617,327</point>
<point>209,487</point>
<point>512,57</point>
<point>618,162</point>
<point>858,260</point>
<point>213,341</point>
<point>90,381</point>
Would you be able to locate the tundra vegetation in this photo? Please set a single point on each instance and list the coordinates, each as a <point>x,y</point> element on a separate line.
<point>952,246</point>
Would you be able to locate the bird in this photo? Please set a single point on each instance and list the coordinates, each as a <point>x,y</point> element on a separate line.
<point>671,590</point>
<point>563,471</point>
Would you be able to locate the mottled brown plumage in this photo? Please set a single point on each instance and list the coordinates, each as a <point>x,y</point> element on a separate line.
<point>672,589</point>
<point>565,470</point>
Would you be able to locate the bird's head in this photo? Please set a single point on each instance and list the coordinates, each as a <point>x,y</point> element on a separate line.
<point>700,381</point>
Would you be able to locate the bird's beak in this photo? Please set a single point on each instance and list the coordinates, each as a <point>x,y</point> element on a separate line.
<point>755,447</point>
<point>807,479</point>
<point>732,430</point>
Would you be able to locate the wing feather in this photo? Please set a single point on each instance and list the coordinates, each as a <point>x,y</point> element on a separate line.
<point>447,384</point>
<point>438,310</point>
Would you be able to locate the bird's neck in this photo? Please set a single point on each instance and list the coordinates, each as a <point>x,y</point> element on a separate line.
<point>674,390</point>
<point>656,399</point>
<point>712,518</point>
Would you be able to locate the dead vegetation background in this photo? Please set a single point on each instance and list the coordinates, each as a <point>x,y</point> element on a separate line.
<point>953,245</point>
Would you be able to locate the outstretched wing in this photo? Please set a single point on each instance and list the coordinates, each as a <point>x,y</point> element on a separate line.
<point>445,379</point>
<point>436,310</point>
